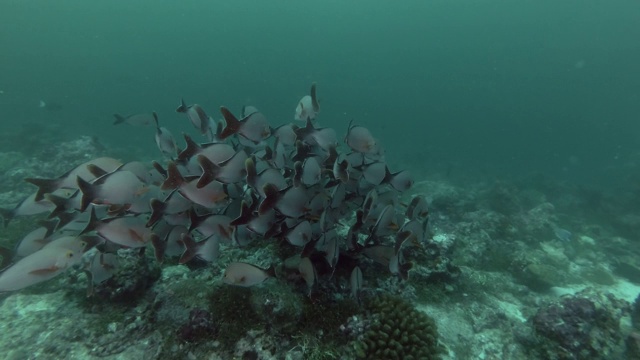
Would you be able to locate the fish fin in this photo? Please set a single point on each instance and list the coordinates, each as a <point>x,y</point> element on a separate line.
<point>64,218</point>
<point>232,123</point>
<point>119,119</point>
<point>174,178</point>
<point>89,192</point>
<point>182,108</point>
<point>50,225</point>
<point>195,219</point>
<point>156,165</point>
<point>271,271</point>
<point>5,257</point>
<point>7,215</point>
<point>96,171</point>
<point>246,215</point>
<point>190,149</point>
<point>159,247</point>
<point>272,195</point>
<point>314,98</point>
<point>44,186</point>
<point>252,174</point>
<point>157,211</point>
<point>210,171</point>
<point>191,248</point>
<point>92,224</point>
<point>90,241</point>
<point>90,287</point>
<point>44,271</point>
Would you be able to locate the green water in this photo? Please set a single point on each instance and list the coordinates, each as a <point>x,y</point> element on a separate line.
<point>466,88</point>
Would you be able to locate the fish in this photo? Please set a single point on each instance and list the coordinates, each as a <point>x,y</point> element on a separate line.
<point>207,249</point>
<point>417,208</point>
<point>196,115</point>
<point>308,272</point>
<point>165,141</point>
<point>246,275</point>
<point>36,239</point>
<point>116,188</point>
<point>308,107</point>
<point>42,265</point>
<point>254,127</point>
<point>300,234</point>
<point>128,231</point>
<point>245,182</point>
<point>360,140</point>
<point>69,179</point>
<point>562,234</point>
<point>143,119</point>
<point>356,280</point>
<point>102,267</point>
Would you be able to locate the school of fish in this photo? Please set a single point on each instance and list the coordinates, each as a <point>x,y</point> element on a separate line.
<point>337,202</point>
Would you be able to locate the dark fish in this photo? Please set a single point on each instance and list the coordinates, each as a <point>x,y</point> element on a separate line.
<point>144,119</point>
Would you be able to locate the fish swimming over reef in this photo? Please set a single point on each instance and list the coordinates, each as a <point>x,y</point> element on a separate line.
<point>335,205</point>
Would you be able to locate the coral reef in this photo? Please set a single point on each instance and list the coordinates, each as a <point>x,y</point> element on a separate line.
<point>583,326</point>
<point>396,330</point>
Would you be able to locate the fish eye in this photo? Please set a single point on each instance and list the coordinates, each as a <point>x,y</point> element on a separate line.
<point>70,254</point>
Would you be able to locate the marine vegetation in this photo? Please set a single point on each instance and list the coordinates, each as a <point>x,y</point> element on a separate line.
<point>397,330</point>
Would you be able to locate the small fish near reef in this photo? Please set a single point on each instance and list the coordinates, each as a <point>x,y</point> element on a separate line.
<point>246,182</point>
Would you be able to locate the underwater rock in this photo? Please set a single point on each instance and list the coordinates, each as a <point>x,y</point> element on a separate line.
<point>201,326</point>
<point>582,326</point>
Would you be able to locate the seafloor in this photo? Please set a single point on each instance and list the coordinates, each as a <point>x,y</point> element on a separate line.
<point>497,277</point>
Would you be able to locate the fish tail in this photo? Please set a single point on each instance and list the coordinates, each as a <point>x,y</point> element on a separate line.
<point>271,271</point>
<point>159,247</point>
<point>182,108</point>
<point>60,204</point>
<point>210,171</point>
<point>89,192</point>
<point>5,257</point>
<point>252,174</point>
<point>232,123</point>
<point>119,119</point>
<point>92,224</point>
<point>7,216</point>
<point>191,248</point>
<point>64,218</point>
<point>314,99</point>
<point>190,149</point>
<point>271,198</point>
<point>174,178</point>
<point>246,215</point>
<point>45,186</point>
<point>159,169</point>
<point>195,219</point>
<point>158,208</point>
<point>96,170</point>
